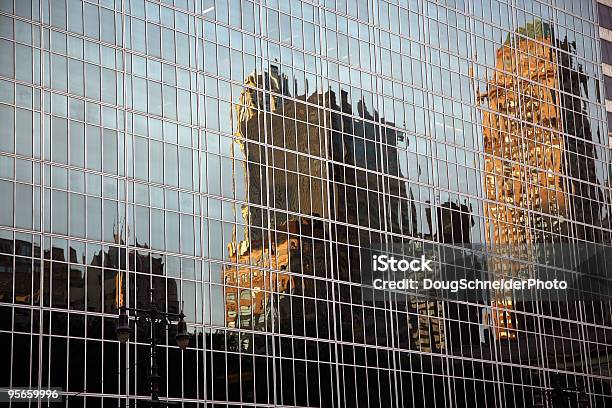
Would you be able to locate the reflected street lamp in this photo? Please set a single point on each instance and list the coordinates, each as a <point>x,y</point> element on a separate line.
<point>123,326</point>
<point>155,318</point>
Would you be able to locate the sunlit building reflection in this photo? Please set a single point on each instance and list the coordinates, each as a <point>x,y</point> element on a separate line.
<point>539,170</point>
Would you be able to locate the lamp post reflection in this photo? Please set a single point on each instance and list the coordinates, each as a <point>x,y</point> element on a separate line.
<point>156,319</point>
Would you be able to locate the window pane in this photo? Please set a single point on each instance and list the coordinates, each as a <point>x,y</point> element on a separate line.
<point>23,206</point>
<point>6,203</point>
<point>77,215</point>
<point>94,218</point>
<point>59,212</point>
<point>59,140</point>
<point>7,130</point>
<point>24,132</point>
<point>91,20</point>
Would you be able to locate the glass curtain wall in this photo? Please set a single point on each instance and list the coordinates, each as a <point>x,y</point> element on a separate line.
<point>243,158</point>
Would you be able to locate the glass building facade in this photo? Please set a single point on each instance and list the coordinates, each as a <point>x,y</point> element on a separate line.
<point>244,158</point>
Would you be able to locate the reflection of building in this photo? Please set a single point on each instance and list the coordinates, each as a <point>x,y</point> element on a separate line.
<point>524,145</point>
<point>262,116</point>
<point>317,167</point>
<point>427,326</point>
<point>94,284</point>
<point>310,186</point>
<point>300,187</point>
<point>539,159</point>
<point>247,297</point>
<point>453,224</point>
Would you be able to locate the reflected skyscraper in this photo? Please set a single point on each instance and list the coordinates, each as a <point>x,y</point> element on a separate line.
<point>539,164</point>
<point>307,187</point>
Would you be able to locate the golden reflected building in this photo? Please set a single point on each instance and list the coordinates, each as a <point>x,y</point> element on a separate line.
<point>523,146</point>
<point>536,157</point>
<point>249,288</point>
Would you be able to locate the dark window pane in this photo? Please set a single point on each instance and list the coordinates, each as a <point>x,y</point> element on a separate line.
<point>6,274</point>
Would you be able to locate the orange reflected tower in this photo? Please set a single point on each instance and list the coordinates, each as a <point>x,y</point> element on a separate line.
<point>523,145</point>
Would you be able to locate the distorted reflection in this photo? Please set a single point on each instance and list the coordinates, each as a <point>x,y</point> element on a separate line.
<point>540,174</point>
<point>309,185</point>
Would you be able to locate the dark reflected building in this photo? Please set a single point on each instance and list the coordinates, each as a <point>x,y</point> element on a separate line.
<point>246,159</point>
